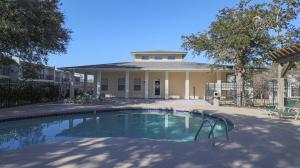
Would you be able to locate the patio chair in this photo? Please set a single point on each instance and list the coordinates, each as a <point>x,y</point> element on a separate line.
<point>273,111</point>
<point>283,112</point>
<point>291,109</point>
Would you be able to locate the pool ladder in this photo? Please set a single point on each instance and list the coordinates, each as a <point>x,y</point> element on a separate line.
<point>211,135</point>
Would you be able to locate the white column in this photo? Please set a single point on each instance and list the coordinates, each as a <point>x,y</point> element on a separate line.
<point>289,91</point>
<point>166,85</point>
<point>127,85</point>
<point>187,121</point>
<point>97,84</point>
<point>219,82</point>
<point>97,121</point>
<point>280,87</point>
<point>219,75</point>
<point>85,82</point>
<point>146,84</point>
<point>72,80</point>
<point>166,121</point>
<point>187,85</point>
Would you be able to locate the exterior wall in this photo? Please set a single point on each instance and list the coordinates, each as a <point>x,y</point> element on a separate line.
<point>138,57</point>
<point>156,76</point>
<point>176,85</point>
<point>132,92</point>
<point>112,78</point>
<point>198,81</point>
<point>224,77</point>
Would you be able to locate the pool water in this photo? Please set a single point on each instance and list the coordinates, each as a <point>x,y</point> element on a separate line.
<point>154,124</point>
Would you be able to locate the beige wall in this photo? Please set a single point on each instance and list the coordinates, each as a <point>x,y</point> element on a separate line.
<point>198,81</point>
<point>113,83</point>
<point>136,94</point>
<point>176,83</point>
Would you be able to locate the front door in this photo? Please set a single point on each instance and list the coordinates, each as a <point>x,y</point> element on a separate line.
<point>157,88</point>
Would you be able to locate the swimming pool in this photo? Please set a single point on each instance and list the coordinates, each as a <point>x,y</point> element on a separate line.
<point>152,124</point>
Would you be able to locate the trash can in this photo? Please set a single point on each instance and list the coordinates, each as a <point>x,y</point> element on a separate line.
<point>216,99</point>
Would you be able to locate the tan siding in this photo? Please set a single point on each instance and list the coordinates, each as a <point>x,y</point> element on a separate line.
<point>136,94</point>
<point>198,80</point>
<point>176,84</point>
<point>113,83</point>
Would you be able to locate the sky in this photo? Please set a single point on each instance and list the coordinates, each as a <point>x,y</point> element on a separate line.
<point>106,31</point>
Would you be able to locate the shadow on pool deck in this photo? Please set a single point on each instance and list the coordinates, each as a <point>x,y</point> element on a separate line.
<point>255,142</point>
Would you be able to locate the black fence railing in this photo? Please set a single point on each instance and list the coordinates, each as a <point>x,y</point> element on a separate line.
<point>253,95</point>
<point>21,92</point>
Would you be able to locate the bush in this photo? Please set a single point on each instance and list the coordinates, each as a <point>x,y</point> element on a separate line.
<point>21,92</point>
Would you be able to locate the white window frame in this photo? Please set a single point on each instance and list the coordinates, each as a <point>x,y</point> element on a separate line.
<point>171,57</point>
<point>104,84</point>
<point>135,84</point>
<point>121,84</point>
<point>158,57</point>
<point>145,57</point>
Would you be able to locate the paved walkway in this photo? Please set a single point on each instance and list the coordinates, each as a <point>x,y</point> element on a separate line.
<point>256,141</point>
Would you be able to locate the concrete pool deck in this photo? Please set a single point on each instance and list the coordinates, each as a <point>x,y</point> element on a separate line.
<point>256,141</point>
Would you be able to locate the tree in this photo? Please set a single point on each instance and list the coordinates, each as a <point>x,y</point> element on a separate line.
<point>32,29</point>
<point>240,36</point>
<point>280,17</point>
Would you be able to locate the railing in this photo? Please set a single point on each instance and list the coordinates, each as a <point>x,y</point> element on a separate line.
<point>253,95</point>
<point>211,135</point>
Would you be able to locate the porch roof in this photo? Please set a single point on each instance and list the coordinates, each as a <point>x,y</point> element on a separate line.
<point>148,66</point>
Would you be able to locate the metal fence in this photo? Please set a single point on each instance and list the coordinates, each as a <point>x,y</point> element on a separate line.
<point>20,92</point>
<point>254,95</point>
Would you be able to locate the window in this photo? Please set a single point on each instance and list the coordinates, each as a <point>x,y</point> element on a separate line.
<point>158,57</point>
<point>172,57</point>
<point>121,84</point>
<point>231,78</point>
<point>137,84</point>
<point>145,57</point>
<point>104,84</point>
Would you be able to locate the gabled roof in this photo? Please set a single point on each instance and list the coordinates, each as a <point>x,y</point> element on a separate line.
<point>149,66</point>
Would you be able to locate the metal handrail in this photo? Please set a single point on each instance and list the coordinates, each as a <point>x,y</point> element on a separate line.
<point>211,135</point>
<point>201,126</point>
<point>220,117</point>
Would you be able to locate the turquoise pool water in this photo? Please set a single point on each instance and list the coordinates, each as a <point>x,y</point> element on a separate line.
<point>149,124</point>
